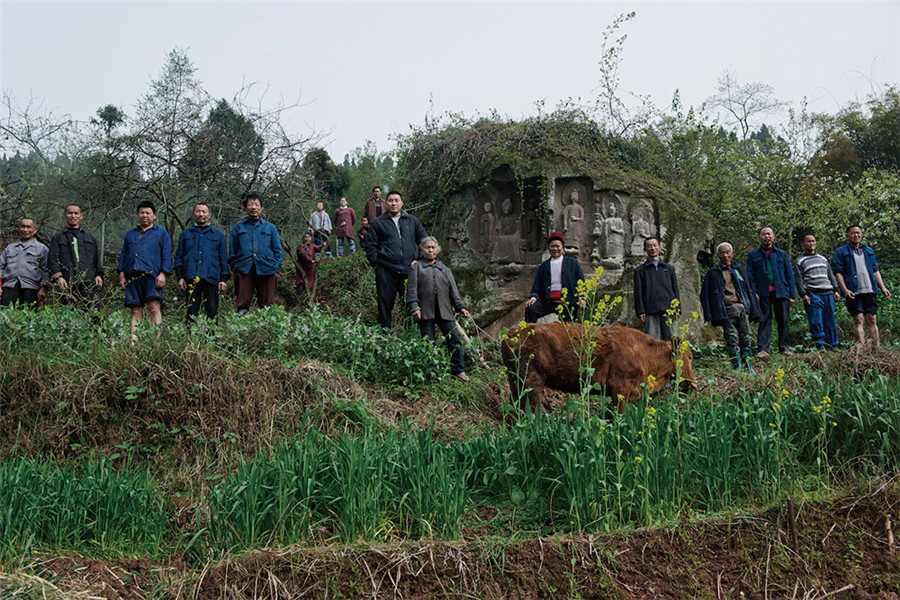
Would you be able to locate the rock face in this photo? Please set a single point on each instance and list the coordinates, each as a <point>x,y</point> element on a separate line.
<point>495,237</point>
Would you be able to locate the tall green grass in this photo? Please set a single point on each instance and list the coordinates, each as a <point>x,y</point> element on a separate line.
<point>558,473</point>
<point>91,509</point>
<point>355,487</point>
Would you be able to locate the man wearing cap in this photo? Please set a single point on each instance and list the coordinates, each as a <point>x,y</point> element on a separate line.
<point>555,284</point>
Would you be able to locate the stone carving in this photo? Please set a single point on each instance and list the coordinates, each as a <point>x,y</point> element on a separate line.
<point>488,229</point>
<point>534,232</point>
<point>573,224</point>
<point>508,242</point>
<point>613,238</point>
<point>640,231</point>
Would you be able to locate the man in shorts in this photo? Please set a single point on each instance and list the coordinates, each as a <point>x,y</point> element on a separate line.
<point>144,262</point>
<point>859,278</point>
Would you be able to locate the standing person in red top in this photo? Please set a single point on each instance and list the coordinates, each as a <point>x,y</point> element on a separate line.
<point>374,205</point>
<point>306,256</point>
<point>363,232</point>
<point>344,218</point>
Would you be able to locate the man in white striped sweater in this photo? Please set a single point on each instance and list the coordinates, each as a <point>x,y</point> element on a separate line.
<point>819,289</point>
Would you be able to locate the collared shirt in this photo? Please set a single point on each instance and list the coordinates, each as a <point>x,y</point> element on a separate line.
<point>24,263</point>
<point>146,251</point>
<point>254,243</point>
<point>202,253</point>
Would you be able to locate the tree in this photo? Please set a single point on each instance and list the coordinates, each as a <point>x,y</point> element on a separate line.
<point>743,102</point>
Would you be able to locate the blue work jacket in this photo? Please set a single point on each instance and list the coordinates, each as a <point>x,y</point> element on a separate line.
<point>782,273</point>
<point>254,244</point>
<point>202,253</point>
<point>148,252</point>
<point>842,262</point>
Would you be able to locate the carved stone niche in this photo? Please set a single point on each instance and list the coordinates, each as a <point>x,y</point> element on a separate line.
<point>507,224</point>
<point>610,230</point>
<point>573,207</point>
<point>643,224</point>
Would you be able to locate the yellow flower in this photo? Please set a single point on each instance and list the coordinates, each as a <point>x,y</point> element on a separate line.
<point>638,459</point>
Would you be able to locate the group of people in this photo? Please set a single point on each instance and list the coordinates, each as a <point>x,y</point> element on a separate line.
<point>204,261</point>
<point>404,259</point>
<point>732,297</point>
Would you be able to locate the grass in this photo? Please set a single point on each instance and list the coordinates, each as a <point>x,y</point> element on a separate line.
<point>281,428</point>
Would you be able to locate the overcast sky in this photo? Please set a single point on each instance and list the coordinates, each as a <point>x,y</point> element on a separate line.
<point>366,71</point>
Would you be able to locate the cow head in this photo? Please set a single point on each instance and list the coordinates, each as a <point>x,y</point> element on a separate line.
<point>688,382</point>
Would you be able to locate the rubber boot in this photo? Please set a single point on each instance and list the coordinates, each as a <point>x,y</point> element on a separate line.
<point>747,359</point>
<point>735,358</point>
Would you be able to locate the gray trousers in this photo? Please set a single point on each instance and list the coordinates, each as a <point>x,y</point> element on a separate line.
<point>657,327</point>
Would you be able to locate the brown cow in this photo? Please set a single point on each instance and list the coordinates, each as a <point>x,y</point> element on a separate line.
<point>623,358</point>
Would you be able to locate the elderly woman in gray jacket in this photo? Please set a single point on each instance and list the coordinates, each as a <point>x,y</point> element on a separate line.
<point>432,297</point>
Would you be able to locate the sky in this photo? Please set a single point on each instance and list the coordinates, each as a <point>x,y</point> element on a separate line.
<point>368,70</point>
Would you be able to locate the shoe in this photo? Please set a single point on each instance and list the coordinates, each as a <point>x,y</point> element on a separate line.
<point>787,353</point>
<point>460,376</point>
<point>735,358</point>
<point>746,353</point>
<point>762,354</point>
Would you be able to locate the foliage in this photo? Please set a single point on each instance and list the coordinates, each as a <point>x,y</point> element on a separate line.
<point>94,509</point>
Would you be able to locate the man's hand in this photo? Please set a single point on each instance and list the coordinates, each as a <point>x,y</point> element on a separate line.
<point>792,301</point>
<point>98,281</point>
<point>182,284</point>
<point>61,282</point>
<point>41,294</point>
<point>887,294</point>
<point>837,296</point>
<point>806,299</point>
<point>160,281</point>
<point>464,313</point>
<point>122,282</point>
<point>530,301</point>
<point>222,286</point>
<point>643,317</point>
<point>417,315</point>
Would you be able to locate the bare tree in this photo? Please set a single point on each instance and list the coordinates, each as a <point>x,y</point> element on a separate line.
<point>743,102</point>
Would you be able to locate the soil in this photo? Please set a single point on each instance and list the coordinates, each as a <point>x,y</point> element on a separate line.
<point>841,548</point>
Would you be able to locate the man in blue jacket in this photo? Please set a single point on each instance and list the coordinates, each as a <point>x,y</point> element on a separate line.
<point>728,302</point>
<point>859,278</point>
<point>773,276</point>
<point>254,256</point>
<point>391,247</point>
<point>201,264</point>
<point>144,263</point>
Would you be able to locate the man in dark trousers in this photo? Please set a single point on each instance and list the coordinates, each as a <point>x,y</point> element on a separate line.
<point>771,271</point>
<point>391,247</point>
<point>201,264</point>
<point>655,287</point>
<point>76,261</point>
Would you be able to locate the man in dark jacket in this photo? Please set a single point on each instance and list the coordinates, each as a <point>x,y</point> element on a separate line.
<point>728,301</point>
<point>772,272</point>
<point>655,287</point>
<point>254,254</point>
<point>555,287</point>
<point>391,247</point>
<point>76,261</point>
<point>201,264</point>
